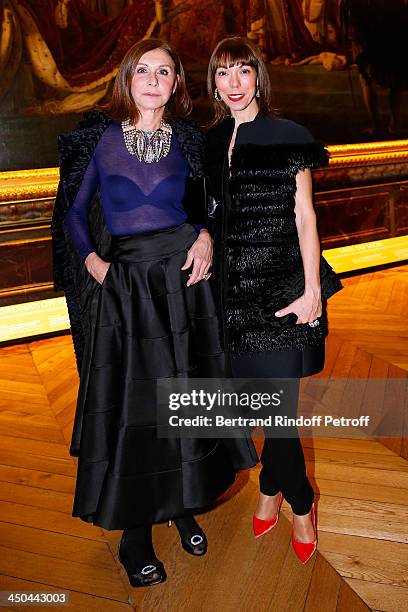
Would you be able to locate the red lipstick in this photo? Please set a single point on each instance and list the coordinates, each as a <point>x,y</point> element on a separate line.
<point>235,97</point>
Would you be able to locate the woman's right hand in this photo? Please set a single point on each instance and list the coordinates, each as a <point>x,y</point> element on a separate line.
<point>97,267</point>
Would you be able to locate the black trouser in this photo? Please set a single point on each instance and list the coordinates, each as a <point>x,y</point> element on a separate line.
<point>283,463</point>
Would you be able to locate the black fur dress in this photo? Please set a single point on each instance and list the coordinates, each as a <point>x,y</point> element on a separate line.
<point>258,264</point>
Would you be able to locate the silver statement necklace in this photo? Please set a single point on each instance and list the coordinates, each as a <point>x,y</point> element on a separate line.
<point>147,146</point>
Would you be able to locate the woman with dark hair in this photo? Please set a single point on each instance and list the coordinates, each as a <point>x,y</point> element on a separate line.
<point>271,281</point>
<point>127,229</point>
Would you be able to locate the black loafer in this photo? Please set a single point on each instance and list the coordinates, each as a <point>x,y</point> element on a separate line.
<point>196,545</point>
<point>151,573</point>
<point>192,537</point>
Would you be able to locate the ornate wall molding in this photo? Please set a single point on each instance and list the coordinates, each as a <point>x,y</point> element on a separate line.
<point>362,196</point>
<point>21,185</point>
<point>373,152</point>
<point>392,155</point>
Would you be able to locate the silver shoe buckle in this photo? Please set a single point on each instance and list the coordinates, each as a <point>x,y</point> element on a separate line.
<point>148,569</point>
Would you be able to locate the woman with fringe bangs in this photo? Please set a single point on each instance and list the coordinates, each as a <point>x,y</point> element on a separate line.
<point>270,279</point>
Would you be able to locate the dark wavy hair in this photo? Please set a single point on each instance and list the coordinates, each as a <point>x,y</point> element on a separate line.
<point>122,106</point>
<point>230,52</point>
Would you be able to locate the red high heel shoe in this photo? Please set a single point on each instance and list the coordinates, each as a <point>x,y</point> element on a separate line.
<point>261,526</point>
<point>305,550</point>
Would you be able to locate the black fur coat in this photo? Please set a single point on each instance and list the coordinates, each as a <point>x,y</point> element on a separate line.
<point>257,259</point>
<point>75,151</point>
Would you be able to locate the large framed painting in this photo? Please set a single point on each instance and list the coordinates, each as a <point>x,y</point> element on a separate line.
<point>337,66</point>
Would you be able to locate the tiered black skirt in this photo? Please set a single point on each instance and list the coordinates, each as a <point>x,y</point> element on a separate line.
<point>147,324</point>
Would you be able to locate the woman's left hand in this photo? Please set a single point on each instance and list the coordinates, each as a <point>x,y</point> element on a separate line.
<point>200,255</point>
<point>307,308</point>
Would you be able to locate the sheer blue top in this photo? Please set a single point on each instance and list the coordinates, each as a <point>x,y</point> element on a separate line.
<point>136,197</point>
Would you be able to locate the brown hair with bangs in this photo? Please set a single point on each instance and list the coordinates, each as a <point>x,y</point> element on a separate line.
<point>230,52</point>
<point>122,106</point>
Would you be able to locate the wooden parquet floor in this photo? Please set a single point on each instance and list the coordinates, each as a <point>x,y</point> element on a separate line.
<point>361,487</point>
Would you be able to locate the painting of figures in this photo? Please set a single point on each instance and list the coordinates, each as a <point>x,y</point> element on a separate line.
<point>337,66</point>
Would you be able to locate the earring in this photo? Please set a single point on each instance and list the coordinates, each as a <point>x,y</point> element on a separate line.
<point>217,95</point>
<point>258,94</point>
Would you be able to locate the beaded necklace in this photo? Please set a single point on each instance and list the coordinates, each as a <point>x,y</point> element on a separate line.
<point>148,146</point>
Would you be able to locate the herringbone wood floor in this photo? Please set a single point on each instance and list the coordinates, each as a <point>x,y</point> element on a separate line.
<point>361,487</point>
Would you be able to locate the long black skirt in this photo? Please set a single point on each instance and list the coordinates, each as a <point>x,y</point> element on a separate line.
<point>147,324</point>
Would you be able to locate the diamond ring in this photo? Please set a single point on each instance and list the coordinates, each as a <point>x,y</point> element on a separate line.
<point>207,276</point>
<point>314,323</point>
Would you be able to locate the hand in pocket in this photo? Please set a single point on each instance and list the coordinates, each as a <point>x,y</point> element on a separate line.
<point>97,267</point>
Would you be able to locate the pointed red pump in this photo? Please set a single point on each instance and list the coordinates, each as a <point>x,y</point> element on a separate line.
<point>261,526</point>
<point>304,550</point>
